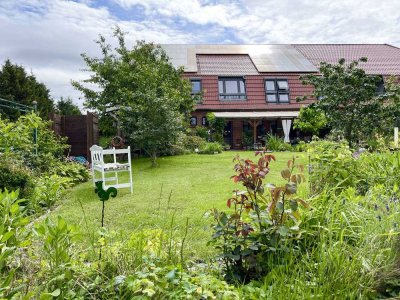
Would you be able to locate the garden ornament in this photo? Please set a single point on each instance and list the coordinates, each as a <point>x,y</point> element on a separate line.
<point>104,195</point>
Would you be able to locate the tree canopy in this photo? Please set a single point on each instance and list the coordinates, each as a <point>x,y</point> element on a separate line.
<point>66,107</point>
<point>310,119</point>
<point>16,85</point>
<point>154,100</point>
<point>348,97</point>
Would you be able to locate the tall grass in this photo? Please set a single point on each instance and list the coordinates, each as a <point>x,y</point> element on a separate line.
<point>345,253</point>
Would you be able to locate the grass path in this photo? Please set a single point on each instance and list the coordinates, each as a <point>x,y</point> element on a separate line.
<point>181,187</point>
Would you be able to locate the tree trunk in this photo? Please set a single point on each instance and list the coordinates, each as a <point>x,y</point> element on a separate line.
<point>153,158</point>
<point>348,133</point>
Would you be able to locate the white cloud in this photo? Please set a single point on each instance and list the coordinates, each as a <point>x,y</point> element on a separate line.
<point>48,36</point>
<point>288,21</point>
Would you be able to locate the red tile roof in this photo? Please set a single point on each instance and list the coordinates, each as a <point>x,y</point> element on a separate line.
<point>382,59</point>
<point>225,64</point>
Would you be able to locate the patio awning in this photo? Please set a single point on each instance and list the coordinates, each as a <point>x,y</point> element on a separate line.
<point>256,114</point>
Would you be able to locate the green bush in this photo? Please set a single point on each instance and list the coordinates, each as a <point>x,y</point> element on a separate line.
<point>334,166</point>
<point>73,171</point>
<point>275,143</point>
<point>192,142</point>
<point>16,141</point>
<point>202,132</point>
<point>48,190</point>
<point>14,175</point>
<point>210,148</point>
<point>262,222</point>
<point>105,141</point>
<point>301,146</point>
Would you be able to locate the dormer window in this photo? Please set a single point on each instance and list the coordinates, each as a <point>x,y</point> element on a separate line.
<point>231,88</point>
<point>277,90</point>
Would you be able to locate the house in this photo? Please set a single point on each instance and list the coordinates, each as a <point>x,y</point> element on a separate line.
<point>254,87</point>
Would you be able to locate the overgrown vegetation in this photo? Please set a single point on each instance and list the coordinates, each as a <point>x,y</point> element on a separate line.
<point>39,171</point>
<point>339,241</point>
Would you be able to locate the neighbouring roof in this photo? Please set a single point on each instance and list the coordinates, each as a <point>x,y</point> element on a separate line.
<point>257,114</point>
<point>239,64</point>
<point>383,59</point>
<point>266,58</point>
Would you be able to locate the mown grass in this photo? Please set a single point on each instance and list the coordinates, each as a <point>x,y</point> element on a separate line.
<point>181,187</point>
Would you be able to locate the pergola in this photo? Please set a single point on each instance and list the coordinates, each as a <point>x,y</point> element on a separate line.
<point>255,117</point>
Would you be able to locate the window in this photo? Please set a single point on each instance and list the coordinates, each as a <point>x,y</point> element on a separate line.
<point>380,87</point>
<point>231,88</point>
<point>193,121</point>
<point>204,121</point>
<point>277,90</point>
<point>196,90</point>
<point>196,86</point>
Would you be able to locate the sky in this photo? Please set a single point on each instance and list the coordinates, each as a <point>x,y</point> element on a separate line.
<point>47,37</point>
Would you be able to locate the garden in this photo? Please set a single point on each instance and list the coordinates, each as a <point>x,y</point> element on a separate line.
<point>321,223</point>
<point>313,220</point>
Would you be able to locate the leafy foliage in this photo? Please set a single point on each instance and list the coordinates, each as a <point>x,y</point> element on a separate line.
<point>217,126</point>
<point>18,86</point>
<point>261,223</point>
<point>310,119</point>
<point>14,236</point>
<point>333,166</point>
<point>193,142</point>
<point>48,190</point>
<point>344,246</point>
<point>14,175</point>
<point>347,97</point>
<point>275,143</point>
<point>154,99</point>
<point>40,177</point>
<point>210,148</point>
<point>66,107</point>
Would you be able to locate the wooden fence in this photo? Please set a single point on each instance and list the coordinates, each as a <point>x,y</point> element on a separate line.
<point>82,132</point>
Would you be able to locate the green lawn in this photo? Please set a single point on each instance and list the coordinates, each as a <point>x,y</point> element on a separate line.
<point>181,187</point>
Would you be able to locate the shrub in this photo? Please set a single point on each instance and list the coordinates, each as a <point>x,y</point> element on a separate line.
<point>202,132</point>
<point>247,139</point>
<point>301,146</point>
<point>16,142</point>
<point>48,190</point>
<point>14,175</point>
<point>275,143</point>
<point>192,142</point>
<point>210,148</point>
<point>264,219</point>
<point>332,166</point>
<point>74,172</point>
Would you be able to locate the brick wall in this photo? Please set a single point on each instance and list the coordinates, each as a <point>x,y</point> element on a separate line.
<point>255,93</point>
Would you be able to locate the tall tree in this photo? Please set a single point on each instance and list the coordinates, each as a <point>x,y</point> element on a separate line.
<point>348,97</point>
<point>153,98</point>
<point>66,107</point>
<point>16,85</point>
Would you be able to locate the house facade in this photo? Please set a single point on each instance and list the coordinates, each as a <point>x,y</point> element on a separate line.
<point>255,87</point>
